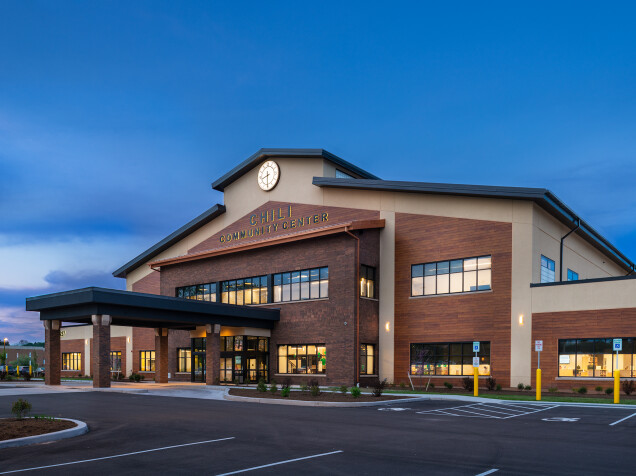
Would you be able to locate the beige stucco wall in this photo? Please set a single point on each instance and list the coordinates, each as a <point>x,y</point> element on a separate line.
<point>386,326</point>
<point>578,254</point>
<point>617,294</point>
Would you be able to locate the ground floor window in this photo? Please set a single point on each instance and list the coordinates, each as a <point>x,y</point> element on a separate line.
<point>449,358</point>
<point>594,358</point>
<point>115,361</point>
<point>147,361</point>
<point>302,359</point>
<point>244,359</point>
<point>72,361</point>
<point>367,359</point>
<point>184,359</point>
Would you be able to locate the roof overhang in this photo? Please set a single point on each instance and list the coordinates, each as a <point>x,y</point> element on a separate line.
<point>541,196</point>
<point>264,154</point>
<point>279,240</point>
<point>146,310</point>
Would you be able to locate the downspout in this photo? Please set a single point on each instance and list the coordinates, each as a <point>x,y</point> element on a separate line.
<point>578,225</point>
<point>356,359</point>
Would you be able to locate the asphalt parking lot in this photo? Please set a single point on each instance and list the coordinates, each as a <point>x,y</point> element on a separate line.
<point>141,434</point>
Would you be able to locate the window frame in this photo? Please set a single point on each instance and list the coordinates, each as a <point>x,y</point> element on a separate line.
<point>185,359</point>
<point>368,274</point>
<point>72,358</point>
<point>437,359</point>
<point>572,275</point>
<point>288,284</point>
<point>115,353</point>
<point>299,359</point>
<point>541,267</point>
<point>143,360</point>
<point>629,349</point>
<point>447,266</point>
<point>364,354</point>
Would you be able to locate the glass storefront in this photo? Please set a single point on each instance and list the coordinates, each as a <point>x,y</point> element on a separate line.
<point>593,358</point>
<point>244,359</point>
<point>454,358</point>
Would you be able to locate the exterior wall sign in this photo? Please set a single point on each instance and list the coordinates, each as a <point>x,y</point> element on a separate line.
<point>618,345</point>
<point>475,346</point>
<point>538,345</point>
<point>271,221</point>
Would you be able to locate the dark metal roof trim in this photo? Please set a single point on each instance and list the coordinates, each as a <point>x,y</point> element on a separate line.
<point>146,310</point>
<point>543,197</point>
<point>171,239</point>
<point>583,281</point>
<point>263,154</point>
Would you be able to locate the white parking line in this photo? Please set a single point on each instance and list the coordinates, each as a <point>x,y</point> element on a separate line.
<point>280,462</point>
<point>483,410</point>
<point>117,456</point>
<point>490,471</point>
<point>622,419</point>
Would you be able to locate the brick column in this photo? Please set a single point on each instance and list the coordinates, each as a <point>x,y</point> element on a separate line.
<point>100,357</point>
<point>212,353</point>
<point>52,353</point>
<point>161,355</point>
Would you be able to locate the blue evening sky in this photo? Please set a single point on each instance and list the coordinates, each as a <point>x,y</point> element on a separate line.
<point>116,116</point>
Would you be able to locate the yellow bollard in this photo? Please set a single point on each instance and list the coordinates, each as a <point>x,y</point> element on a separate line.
<point>538,384</point>
<point>476,384</point>
<point>617,386</point>
<point>30,370</point>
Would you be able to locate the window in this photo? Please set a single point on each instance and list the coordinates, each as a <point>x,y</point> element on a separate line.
<point>184,359</point>
<point>594,358</point>
<point>367,359</point>
<point>454,276</point>
<point>341,174</point>
<point>572,276</point>
<point>72,361</point>
<point>367,281</point>
<point>147,361</point>
<point>301,285</point>
<point>453,358</point>
<point>245,291</point>
<point>200,292</point>
<point>115,361</point>
<point>302,359</point>
<point>547,270</point>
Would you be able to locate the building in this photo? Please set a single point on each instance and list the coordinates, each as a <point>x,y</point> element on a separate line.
<point>314,268</point>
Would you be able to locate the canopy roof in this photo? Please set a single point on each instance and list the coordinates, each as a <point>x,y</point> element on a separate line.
<point>146,310</point>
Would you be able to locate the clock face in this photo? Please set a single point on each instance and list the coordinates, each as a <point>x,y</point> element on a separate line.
<point>268,175</point>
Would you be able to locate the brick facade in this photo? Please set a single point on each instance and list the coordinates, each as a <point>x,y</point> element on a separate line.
<point>552,326</point>
<point>480,316</point>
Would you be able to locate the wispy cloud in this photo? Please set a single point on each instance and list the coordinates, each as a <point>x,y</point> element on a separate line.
<point>17,324</point>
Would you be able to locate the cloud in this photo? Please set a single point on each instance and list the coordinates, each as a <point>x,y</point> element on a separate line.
<point>17,324</point>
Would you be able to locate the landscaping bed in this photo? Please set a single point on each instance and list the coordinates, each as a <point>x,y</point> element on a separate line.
<point>307,396</point>
<point>11,428</point>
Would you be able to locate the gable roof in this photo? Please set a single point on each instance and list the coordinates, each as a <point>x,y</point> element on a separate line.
<point>541,196</point>
<point>255,159</point>
<point>203,219</point>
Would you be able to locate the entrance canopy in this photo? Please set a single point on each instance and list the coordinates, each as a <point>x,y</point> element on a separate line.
<point>146,310</point>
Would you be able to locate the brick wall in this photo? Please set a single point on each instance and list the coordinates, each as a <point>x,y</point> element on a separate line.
<point>552,326</point>
<point>74,345</point>
<point>482,316</point>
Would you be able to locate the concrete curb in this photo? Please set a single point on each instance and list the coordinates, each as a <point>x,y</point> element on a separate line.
<point>80,429</point>
<point>306,403</point>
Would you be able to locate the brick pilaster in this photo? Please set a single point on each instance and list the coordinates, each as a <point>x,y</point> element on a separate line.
<point>212,354</point>
<point>52,353</point>
<point>100,351</point>
<point>161,355</point>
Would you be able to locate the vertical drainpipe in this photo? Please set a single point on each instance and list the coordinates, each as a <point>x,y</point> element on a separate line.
<point>356,358</point>
<point>578,225</point>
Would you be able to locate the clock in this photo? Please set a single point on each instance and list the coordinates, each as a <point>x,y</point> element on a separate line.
<point>268,175</point>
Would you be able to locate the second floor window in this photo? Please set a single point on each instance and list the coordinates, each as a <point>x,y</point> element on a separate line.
<point>455,276</point>
<point>200,292</point>
<point>367,281</point>
<point>245,291</point>
<point>547,270</point>
<point>572,276</point>
<point>301,285</point>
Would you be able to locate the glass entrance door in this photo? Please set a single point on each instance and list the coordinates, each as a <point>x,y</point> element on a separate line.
<point>198,360</point>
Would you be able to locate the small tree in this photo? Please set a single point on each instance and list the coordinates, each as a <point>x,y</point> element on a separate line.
<point>3,358</point>
<point>20,408</point>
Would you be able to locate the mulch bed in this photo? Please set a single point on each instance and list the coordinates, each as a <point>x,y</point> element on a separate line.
<point>13,428</point>
<point>323,397</point>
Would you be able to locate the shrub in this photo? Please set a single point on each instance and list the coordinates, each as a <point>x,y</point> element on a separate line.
<point>528,387</point>
<point>628,387</point>
<point>261,387</point>
<point>491,383</point>
<point>402,385</point>
<point>520,386</point>
<point>3,375</point>
<point>286,383</point>
<point>498,387</point>
<point>467,383</point>
<point>378,387</point>
<point>273,388</point>
<point>303,387</point>
<point>315,390</point>
<point>448,385</point>
<point>285,392</point>
<point>582,390</point>
<point>431,385</point>
<point>20,408</point>
<point>553,389</point>
<point>609,391</point>
<point>26,376</point>
<point>355,392</point>
<point>598,388</point>
<point>343,389</point>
